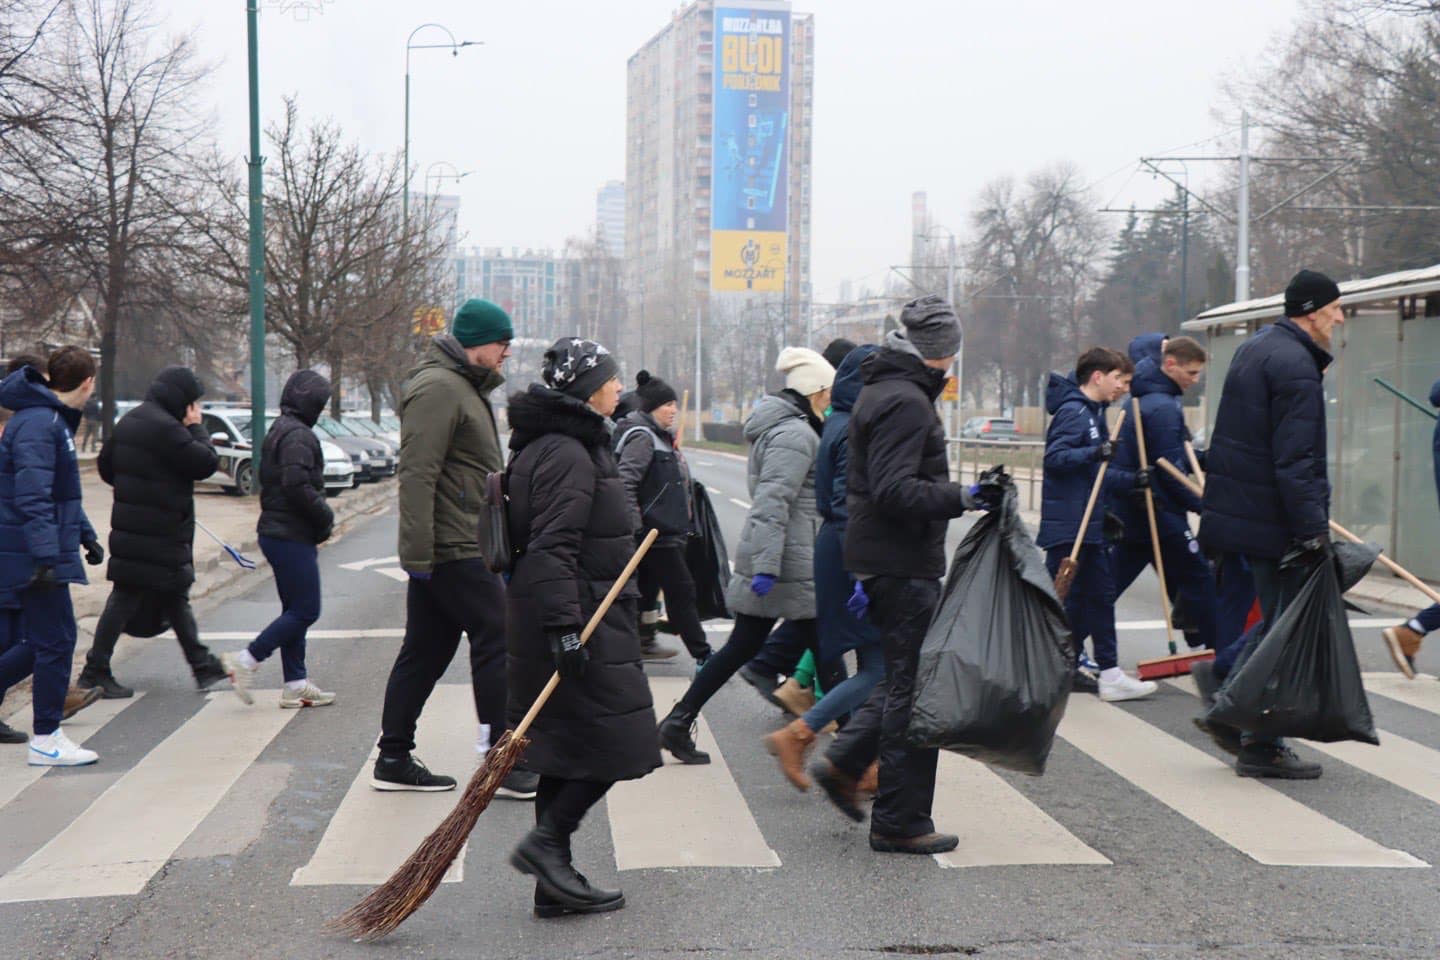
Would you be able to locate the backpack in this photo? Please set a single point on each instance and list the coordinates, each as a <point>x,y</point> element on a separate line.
<point>663,494</point>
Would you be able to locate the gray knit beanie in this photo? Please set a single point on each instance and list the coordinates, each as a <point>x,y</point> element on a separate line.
<point>931,327</point>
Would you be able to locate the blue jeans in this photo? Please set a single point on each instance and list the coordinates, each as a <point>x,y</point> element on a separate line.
<point>44,646</point>
<point>852,692</point>
<point>297,579</point>
<point>1090,605</point>
<point>1429,618</point>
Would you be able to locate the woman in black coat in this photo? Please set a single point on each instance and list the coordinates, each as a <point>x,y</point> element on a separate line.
<point>570,525</point>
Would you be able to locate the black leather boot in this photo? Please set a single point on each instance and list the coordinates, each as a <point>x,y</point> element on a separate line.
<point>675,736</point>
<point>545,855</point>
<point>110,688</point>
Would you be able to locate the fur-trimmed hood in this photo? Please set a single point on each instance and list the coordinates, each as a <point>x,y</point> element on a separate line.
<point>540,410</point>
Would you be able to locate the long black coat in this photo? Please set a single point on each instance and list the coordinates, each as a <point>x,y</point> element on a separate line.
<point>292,466</point>
<point>153,460</point>
<point>568,514</point>
<point>1266,480</point>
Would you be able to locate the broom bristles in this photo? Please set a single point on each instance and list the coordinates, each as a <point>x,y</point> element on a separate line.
<point>1064,577</point>
<point>388,905</point>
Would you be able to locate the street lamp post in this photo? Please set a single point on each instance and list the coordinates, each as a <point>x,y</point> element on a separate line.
<point>454,47</point>
<point>960,360</point>
<point>257,245</point>
<point>455,173</point>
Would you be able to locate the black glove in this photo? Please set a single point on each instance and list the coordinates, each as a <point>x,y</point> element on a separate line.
<point>1107,450</point>
<point>1114,527</point>
<point>1142,478</point>
<point>570,655</point>
<point>94,553</point>
<point>1312,550</point>
<point>42,579</point>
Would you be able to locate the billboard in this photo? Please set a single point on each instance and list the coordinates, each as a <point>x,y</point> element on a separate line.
<point>749,182</point>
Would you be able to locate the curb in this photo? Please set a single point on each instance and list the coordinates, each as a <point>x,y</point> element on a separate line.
<point>216,580</point>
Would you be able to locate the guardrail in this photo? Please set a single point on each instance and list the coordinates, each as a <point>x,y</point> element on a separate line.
<point>1023,460</point>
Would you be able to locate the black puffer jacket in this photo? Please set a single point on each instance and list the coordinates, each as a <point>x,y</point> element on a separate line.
<point>292,466</point>
<point>1266,481</point>
<point>153,460</point>
<point>899,491</point>
<point>569,517</point>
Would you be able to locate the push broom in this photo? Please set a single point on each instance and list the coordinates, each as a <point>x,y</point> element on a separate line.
<point>1177,664</point>
<point>389,904</point>
<point>1065,576</point>
<point>1165,662</point>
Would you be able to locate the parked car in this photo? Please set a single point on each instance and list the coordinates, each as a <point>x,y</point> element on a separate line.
<point>229,429</point>
<point>366,427</point>
<point>372,456</point>
<point>339,471</point>
<point>989,428</point>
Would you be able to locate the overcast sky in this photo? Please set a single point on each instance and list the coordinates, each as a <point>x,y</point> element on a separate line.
<point>935,95</point>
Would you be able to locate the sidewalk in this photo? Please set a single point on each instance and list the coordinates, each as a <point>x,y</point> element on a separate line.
<point>231,518</point>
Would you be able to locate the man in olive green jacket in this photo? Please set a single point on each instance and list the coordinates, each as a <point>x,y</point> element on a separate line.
<point>449,444</point>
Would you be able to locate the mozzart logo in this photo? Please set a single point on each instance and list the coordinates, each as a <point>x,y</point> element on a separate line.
<point>749,269</point>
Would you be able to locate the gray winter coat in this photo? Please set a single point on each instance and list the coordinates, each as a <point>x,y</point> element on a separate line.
<point>634,460</point>
<point>779,533</point>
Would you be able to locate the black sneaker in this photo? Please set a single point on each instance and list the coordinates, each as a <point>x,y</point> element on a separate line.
<point>653,649</point>
<point>1274,762</point>
<point>1203,673</point>
<point>9,734</point>
<point>926,844</point>
<point>1226,737</point>
<point>209,673</point>
<point>110,688</point>
<point>407,773</point>
<point>764,683</point>
<point>1083,682</point>
<point>519,785</point>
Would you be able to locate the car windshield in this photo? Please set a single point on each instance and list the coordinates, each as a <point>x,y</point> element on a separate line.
<point>241,423</point>
<point>390,423</point>
<point>335,428</point>
<point>361,426</point>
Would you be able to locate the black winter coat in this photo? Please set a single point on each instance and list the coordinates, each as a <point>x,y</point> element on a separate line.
<point>1266,481</point>
<point>570,521</point>
<point>899,493</point>
<point>153,460</point>
<point>292,466</point>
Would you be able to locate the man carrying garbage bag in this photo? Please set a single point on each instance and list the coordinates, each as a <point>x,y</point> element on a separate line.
<point>1267,492</point>
<point>901,500</point>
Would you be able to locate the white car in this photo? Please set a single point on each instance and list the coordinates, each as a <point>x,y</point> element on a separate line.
<point>339,471</point>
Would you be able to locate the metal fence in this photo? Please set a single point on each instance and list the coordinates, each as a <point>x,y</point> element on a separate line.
<point>1023,460</point>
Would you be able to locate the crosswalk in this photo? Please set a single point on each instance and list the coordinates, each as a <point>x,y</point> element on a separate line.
<point>683,818</point>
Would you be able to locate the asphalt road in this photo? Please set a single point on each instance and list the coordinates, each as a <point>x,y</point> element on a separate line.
<point>1164,852</point>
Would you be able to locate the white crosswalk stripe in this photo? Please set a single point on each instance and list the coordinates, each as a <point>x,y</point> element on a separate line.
<point>692,817</point>
<point>16,774</point>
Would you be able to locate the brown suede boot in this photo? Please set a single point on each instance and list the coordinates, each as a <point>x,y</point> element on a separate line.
<point>77,699</point>
<point>796,700</point>
<point>790,746</point>
<point>869,783</point>
<point>1403,644</point>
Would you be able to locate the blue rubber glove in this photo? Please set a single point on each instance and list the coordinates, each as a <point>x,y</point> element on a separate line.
<point>859,601</point>
<point>985,496</point>
<point>422,577</point>
<point>761,584</point>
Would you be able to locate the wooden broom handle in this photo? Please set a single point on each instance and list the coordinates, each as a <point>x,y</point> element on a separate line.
<point>1094,495</point>
<point>1154,528</point>
<point>599,615</point>
<point>1391,565</point>
<point>1175,472</point>
<point>680,421</point>
<point>1194,462</point>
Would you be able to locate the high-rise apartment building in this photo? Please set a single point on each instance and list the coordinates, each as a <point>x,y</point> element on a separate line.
<point>527,284</point>
<point>610,217</point>
<point>717,173</point>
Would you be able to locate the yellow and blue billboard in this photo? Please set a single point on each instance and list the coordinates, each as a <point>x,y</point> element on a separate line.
<point>749,202</point>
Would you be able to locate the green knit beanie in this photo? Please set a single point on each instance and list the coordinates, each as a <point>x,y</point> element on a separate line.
<point>479,322</point>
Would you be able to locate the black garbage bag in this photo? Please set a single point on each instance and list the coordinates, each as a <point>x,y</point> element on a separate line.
<point>1303,680</point>
<point>994,672</point>
<point>149,619</point>
<point>707,559</point>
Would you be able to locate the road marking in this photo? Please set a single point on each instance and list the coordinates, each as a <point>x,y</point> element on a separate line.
<point>998,825</point>
<point>397,574</point>
<point>1423,692</point>
<point>16,774</point>
<point>1358,622</point>
<point>704,463</point>
<point>384,633</point>
<point>366,564</point>
<point>1405,763</point>
<point>740,503</point>
<point>132,829</point>
<point>1262,823</point>
<point>684,816</point>
<point>372,832</point>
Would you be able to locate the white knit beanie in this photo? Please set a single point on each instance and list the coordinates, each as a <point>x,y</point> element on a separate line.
<point>806,372</point>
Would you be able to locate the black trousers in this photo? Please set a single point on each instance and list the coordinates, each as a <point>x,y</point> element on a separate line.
<point>562,804</point>
<point>902,609</point>
<point>664,571</point>
<point>785,646</point>
<point>746,638</point>
<point>120,609</point>
<point>460,596</point>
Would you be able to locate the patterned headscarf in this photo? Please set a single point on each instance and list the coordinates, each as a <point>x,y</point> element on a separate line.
<point>578,367</point>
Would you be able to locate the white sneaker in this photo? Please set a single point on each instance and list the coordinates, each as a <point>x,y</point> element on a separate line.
<point>1125,688</point>
<point>240,675</point>
<point>307,696</point>
<point>58,750</point>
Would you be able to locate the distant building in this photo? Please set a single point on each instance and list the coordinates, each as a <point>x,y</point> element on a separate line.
<point>610,217</point>
<point>526,284</point>
<point>724,125</point>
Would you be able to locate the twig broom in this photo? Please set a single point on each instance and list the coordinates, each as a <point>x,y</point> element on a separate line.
<point>1065,576</point>
<point>388,905</point>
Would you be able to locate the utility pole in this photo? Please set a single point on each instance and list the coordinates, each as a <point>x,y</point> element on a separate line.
<point>257,244</point>
<point>960,360</point>
<point>1184,254</point>
<point>1242,215</point>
